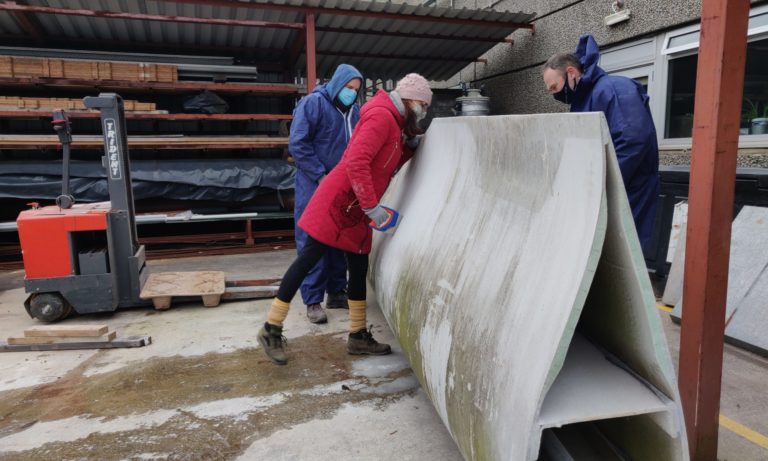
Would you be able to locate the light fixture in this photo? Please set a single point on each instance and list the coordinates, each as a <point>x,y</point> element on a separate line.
<point>620,14</point>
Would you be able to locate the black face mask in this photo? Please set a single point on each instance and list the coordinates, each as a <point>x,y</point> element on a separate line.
<point>565,95</point>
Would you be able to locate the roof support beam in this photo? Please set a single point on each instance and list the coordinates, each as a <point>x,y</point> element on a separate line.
<point>15,7</point>
<point>381,33</point>
<point>295,49</point>
<point>29,25</point>
<point>311,56</point>
<point>366,14</point>
<point>719,88</point>
<point>396,56</point>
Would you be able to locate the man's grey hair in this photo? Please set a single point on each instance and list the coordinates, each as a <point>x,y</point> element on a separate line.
<point>561,61</point>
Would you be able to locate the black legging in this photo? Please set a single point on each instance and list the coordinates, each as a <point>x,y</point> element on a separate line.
<point>313,250</point>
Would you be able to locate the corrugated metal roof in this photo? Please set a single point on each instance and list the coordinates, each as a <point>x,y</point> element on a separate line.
<point>435,58</point>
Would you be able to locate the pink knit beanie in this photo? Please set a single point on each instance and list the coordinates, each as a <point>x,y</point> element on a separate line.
<point>414,86</point>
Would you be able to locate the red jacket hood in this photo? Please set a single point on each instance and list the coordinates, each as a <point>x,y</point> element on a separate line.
<point>381,101</point>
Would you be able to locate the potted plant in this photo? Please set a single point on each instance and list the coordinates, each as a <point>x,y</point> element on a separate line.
<point>759,125</point>
<point>749,111</point>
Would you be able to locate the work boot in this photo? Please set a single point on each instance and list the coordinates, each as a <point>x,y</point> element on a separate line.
<point>272,340</point>
<point>337,300</point>
<point>362,343</point>
<point>316,314</point>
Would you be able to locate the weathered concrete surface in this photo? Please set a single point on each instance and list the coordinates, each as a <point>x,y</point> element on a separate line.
<point>743,399</point>
<point>506,221</point>
<point>673,290</point>
<point>204,390</point>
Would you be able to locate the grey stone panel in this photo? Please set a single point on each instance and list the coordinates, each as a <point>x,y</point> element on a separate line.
<point>749,257</point>
<point>748,327</point>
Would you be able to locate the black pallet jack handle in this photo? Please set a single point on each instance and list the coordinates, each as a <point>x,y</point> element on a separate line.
<point>61,126</point>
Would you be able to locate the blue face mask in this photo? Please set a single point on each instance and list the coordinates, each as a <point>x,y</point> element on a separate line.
<point>347,96</point>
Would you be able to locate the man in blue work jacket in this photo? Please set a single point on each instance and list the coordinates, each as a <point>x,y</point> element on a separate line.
<point>322,125</point>
<point>576,79</point>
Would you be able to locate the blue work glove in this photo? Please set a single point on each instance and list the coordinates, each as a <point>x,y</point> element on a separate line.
<point>382,218</point>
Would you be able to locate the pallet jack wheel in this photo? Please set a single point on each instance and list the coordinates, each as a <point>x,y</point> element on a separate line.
<point>49,307</point>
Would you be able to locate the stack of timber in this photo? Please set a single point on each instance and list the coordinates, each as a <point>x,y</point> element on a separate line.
<point>26,103</point>
<point>30,67</point>
<point>67,337</point>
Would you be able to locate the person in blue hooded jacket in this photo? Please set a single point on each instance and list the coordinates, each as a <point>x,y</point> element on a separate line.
<point>576,79</point>
<point>322,126</point>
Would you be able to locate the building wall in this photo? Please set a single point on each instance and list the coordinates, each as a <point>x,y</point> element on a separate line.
<point>512,75</point>
<point>513,72</point>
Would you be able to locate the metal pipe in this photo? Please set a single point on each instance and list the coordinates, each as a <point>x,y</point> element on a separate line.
<point>184,217</point>
<point>107,56</point>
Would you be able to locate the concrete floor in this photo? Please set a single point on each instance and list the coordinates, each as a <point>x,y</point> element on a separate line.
<point>204,390</point>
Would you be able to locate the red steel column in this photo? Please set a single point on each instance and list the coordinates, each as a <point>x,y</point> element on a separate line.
<point>311,57</point>
<point>719,87</point>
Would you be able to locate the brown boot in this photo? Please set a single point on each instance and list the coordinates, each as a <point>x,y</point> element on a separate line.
<point>272,340</point>
<point>362,343</point>
<point>316,314</point>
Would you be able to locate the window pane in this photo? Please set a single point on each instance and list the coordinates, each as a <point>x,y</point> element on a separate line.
<point>681,86</point>
<point>758,21</point>
<point>691,39</point>
<point>643,81</point>
<point>682,83</point>
<point>685,39</point>
<point>754,111</point>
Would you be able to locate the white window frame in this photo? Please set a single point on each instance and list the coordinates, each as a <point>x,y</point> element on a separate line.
<point>666,55</point>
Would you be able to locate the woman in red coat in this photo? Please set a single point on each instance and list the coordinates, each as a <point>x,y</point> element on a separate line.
<point>346,207</point>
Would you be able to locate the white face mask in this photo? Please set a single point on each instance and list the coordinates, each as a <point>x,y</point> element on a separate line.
<point>419,111</point>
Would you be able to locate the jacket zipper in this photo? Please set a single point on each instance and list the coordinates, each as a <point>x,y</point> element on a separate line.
<point>349,207</point>
<point>392,154</point>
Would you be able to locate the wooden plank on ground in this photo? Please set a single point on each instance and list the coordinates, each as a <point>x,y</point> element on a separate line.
<point>251,292</point>
<point>121,342</point>
<point>63,339</point>
<point>232,281</point>
<point>66,330</point>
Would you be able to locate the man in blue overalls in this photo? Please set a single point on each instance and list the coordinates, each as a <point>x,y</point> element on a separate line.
<point>576,79</point>
<point>322,126</point>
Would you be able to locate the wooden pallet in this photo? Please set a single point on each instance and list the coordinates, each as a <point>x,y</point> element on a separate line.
<point>162,287</point>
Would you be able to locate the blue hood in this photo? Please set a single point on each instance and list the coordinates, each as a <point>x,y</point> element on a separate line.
<point>589,54</point>
<point>343,74</point>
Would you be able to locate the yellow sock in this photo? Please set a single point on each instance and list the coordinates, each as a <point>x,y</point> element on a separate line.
<point>356,315</point>
<point>278,312</point>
